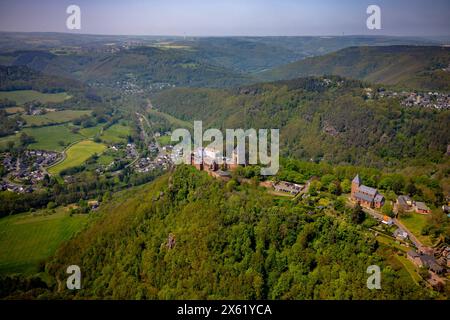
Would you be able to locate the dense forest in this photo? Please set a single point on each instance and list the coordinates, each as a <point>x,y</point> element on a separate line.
<point>189,236</point>
<point>326,118</point>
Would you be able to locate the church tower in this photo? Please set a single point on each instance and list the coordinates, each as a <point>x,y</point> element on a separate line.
<point>355,185</point>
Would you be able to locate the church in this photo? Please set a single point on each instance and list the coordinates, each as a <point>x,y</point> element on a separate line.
<point>366,196</point>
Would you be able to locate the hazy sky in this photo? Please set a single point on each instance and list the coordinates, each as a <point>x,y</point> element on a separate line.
<point>229,17</point>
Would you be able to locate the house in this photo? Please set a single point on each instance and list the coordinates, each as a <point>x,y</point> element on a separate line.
<point>422,208</point>
<point>387,221</point>
<point>405,203</point>
<point>366,196</point>
<point>424,260</point>
<point>288,187</point>
<point>400,234</point>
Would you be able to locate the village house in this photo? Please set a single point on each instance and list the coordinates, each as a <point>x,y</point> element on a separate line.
<point>406,204</point>
<point>387,221</point>
<point>422,208</point>
<point>366,196</point>
<point>424,260</point>
<point>400,234</point>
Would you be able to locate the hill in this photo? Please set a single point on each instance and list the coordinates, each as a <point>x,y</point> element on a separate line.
<point>137,66</point>
<point>421,67</point>
<point>319,118</point>
<point>189,236</point>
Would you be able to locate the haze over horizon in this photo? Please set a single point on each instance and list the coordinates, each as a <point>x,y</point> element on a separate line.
<point>228,18</point>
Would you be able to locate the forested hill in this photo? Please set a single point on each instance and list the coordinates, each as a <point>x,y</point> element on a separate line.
<point>320,118</point>
<point>142,65</point>
<point>189,236</point>
<point>421,67</point>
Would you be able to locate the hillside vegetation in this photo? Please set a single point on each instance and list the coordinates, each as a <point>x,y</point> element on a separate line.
<point>418,67</point>
<point>189,236</point>
<point>320,119</point>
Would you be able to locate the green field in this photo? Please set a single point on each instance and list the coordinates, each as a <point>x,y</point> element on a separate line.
<point>415,223</point>
<point>117,133</point>
<point>48,138</point>
<point>92,131</point>
<point>23,96</point>
<point>177,123</point>
<point>105,159</point>
<point>77,154</point>
<point>54,117</point>
<point>165,140</point>
<point>27,239</point>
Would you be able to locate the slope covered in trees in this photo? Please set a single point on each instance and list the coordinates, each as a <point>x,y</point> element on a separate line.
<point>421,67</point>
<point>189,236</point>
<point>320,118</point>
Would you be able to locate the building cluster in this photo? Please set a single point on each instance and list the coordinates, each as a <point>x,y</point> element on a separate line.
<point>406,204</point>
<point>26,170</point>
<point>144,165</point>
<point>366,196</point>
<point>433,100</point>
<point>425,260</point>
<point>213,162</point>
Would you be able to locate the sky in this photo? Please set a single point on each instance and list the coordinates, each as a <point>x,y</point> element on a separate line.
<point>229,17</point>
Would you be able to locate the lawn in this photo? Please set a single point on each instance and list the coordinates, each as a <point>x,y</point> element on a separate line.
<point>77,154</point>
<point>415,223</point>
<point>54,117</point>
<point>49,138</point>
<point>26,239</point>
<point>409,266</point>
<point>116,133</point>
<point>23,96</point>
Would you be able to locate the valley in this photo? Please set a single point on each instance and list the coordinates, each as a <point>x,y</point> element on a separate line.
<point>88,173</point>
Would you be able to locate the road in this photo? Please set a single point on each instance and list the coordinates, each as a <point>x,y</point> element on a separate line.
<point>419,245</point>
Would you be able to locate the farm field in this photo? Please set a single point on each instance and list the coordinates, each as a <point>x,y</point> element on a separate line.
<point>23,96</point>
<point>116,133</point>
<point>77,155</point>
<point>54,117</point>
<point>27,239</point>
<point>415,223</point>
<point>53,138</point>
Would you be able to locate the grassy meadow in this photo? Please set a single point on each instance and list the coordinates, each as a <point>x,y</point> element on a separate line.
<point>117,133</point>
<point>27,239</point>
<point>77,154</point>
<point>23,96</point>
<point>54,117</point>
<point>54,138</point>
